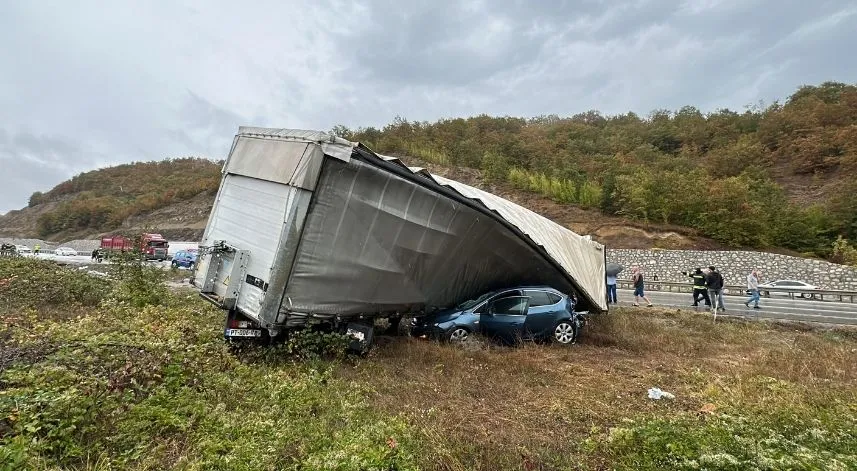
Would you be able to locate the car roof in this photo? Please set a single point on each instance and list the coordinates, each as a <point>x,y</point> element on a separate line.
<point>538,288</point>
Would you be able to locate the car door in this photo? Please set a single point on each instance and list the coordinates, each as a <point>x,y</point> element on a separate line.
<point>544,311</point>
<point>504,318</point>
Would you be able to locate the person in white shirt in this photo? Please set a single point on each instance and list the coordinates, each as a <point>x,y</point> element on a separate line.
<point>753,287</point>
<point>611,289</point>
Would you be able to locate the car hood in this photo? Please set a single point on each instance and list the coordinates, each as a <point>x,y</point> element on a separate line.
<point>444,316</point>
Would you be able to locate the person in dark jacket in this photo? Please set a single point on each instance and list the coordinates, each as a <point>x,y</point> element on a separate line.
<point>700,290</point>
<point>714,282</point>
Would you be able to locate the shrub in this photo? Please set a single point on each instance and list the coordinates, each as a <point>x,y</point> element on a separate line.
<point>310,343</point>
<point>138,284</point>
<point>28,282</point>
<point>843,252</point>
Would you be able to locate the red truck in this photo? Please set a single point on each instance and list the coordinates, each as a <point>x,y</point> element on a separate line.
<point>152,246</point>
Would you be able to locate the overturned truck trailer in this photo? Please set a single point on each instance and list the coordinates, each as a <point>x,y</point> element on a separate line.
<point>308,228</point>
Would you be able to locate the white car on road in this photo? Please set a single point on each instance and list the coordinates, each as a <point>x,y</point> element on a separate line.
<point>65,252</point>
<point>785,285</point>
<point>23,250</point>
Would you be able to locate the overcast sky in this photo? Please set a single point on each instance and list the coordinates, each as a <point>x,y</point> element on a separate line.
<point>88,84</point>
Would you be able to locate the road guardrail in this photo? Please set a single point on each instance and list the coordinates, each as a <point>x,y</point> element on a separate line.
<point>737,290</point>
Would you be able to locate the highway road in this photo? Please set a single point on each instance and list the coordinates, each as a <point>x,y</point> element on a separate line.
<point>774,307</point>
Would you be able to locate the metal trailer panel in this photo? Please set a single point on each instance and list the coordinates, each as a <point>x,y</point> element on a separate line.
<point>257,215</point>
<point>375,242</point>
<point>579,256</point>
<point>250,216</point>
<point>415,231</point>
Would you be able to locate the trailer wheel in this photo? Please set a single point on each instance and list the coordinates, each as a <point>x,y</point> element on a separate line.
<point>394,325</point>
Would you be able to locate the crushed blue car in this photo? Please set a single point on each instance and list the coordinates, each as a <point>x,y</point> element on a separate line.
<point>508,315</point>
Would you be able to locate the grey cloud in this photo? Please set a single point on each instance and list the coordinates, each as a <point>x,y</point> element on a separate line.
<point>30,163</point>
<point>205,126</point>
<point>92,83</point>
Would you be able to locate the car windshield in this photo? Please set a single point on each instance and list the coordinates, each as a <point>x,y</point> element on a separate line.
<point>473,302</point>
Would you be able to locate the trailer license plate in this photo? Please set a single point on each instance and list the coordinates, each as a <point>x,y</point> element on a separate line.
<point>243,333</point>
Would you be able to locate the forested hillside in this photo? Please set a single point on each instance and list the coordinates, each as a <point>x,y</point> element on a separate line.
<point>101,200</point>
<point>778,176</point>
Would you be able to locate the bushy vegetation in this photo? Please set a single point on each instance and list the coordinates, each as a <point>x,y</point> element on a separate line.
<point>715,172</point>
<point>102,382</point>
<point>102,199</point>
<point>27,283</point>
<point>844,253</point>
<point>130,385</point>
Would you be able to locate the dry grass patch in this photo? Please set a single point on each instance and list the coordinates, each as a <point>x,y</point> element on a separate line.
<point>551,407</point>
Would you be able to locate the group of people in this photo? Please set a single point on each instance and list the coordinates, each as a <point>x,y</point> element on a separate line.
<point>98,255</point>
<point>707,287</point>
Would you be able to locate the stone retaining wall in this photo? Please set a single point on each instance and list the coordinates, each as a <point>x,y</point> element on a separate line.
<point>667,265</point>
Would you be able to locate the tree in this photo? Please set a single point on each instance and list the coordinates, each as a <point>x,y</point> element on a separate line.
<point>36,198</point>
<point>843,252</point>
<point>495,166</point>
<point>341,131</point>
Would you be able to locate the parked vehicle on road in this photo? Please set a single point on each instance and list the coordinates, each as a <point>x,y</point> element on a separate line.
<point>65,252</point>
<point>151,246</point>
<point>510,315</point>
<point>24,250</point>
<point>781,285</point>
<point>184,259</point>
<point>8,250</point>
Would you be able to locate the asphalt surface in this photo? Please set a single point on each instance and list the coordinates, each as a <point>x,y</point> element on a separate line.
<point>774,307</point>
<point>86,258</point>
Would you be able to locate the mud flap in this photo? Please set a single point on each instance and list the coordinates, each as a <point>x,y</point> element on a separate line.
<point>361,335</point>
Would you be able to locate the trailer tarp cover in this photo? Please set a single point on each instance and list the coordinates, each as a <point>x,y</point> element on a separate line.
<point>380,236</point>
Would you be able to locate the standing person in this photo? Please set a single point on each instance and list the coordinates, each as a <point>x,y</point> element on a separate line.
<point>611,289</point>
<point>639,292</point>
<point>714,282</point>
<point>700,291</point>
<point>36,249</point>
<point>753,287</point>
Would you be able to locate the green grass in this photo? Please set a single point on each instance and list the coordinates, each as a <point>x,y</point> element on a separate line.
<point>102,380</point>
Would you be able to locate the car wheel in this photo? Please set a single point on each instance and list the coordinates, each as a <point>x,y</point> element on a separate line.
<point>175,264</point>
<point>459,335</point>
<point>190,265</point>
<point>563,333</point>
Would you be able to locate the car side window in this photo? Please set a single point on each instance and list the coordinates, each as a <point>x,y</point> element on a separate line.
<point>554,298</point>
<point>539,298</point>
<point>484,308</point>
<point>513,306</point>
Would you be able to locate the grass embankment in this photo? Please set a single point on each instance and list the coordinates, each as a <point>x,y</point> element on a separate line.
<point>95,375</point>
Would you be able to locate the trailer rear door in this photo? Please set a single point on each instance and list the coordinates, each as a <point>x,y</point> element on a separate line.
<point>249,216</point>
